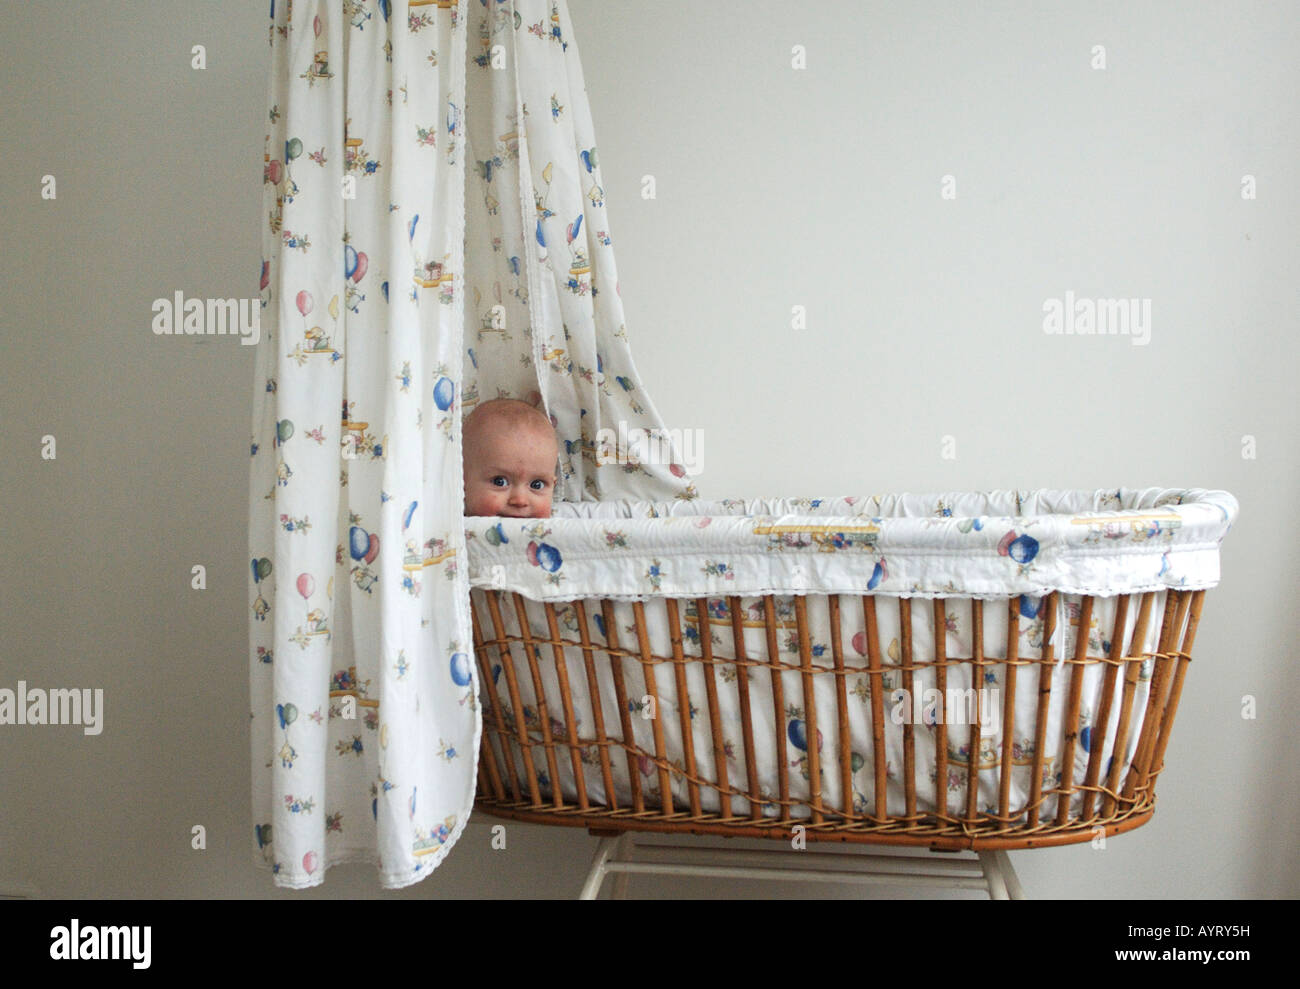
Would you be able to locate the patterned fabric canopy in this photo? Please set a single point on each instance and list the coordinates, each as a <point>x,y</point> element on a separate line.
<point>434,235</point>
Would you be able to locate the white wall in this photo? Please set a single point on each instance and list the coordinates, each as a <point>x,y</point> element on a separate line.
<point>775,188</point>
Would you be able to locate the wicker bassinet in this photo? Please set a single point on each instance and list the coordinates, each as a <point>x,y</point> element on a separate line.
<point>781,688</point>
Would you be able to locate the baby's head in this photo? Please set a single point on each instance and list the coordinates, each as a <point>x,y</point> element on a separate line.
<point>510,454</point>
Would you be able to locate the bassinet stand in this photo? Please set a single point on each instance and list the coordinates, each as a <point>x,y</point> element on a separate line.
<point>989,871</point>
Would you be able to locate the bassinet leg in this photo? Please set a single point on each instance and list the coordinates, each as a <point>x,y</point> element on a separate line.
<point>599,867</point>
<point>1001,877</point>
<point>621,853</point>
<point>1014,890</point>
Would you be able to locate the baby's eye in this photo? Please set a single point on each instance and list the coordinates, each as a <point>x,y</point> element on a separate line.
<point>538,485</point>
<point>500,482</point>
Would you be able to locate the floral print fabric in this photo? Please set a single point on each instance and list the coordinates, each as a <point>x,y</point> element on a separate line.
<point>364,727</point>
<point>991,544</point>
<point>544,320</point>
<point>434,234</point>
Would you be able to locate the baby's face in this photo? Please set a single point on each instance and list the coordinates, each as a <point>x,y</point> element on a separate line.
<point>510,472</point>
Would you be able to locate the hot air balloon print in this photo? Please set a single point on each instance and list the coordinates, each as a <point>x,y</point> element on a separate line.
<point>574,228</point>
<point>878,573</point>
<point>797,732</point>
<point>545,556</point>
<point>1022,549</point>
<point>362,546</point>
<point>460,669</point>
<point>355,263</point>
<point>443,393</point>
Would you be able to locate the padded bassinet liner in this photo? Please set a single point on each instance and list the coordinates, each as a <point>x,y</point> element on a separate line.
<point>1137,541</point>
<point>988,544</point>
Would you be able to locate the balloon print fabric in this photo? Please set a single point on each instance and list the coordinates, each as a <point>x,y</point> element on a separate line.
<point>961,544</point>
<point>544,321</point>
<point>434,234</point>
<point>718,559</point>
<point>365,722</point>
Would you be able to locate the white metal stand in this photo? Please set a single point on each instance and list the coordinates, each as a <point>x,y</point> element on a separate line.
<point>990,872</point>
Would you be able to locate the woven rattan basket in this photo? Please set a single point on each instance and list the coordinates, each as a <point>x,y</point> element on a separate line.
<point>513,735</point>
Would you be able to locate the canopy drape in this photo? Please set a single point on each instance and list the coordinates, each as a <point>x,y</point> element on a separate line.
<point>434,235</point>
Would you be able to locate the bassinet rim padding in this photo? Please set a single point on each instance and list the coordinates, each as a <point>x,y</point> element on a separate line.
<point>1077,549</point>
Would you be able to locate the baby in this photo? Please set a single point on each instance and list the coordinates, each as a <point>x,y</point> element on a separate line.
<point>510,455</point>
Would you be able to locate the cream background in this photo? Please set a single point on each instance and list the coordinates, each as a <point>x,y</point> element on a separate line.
<point>775,188</point>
